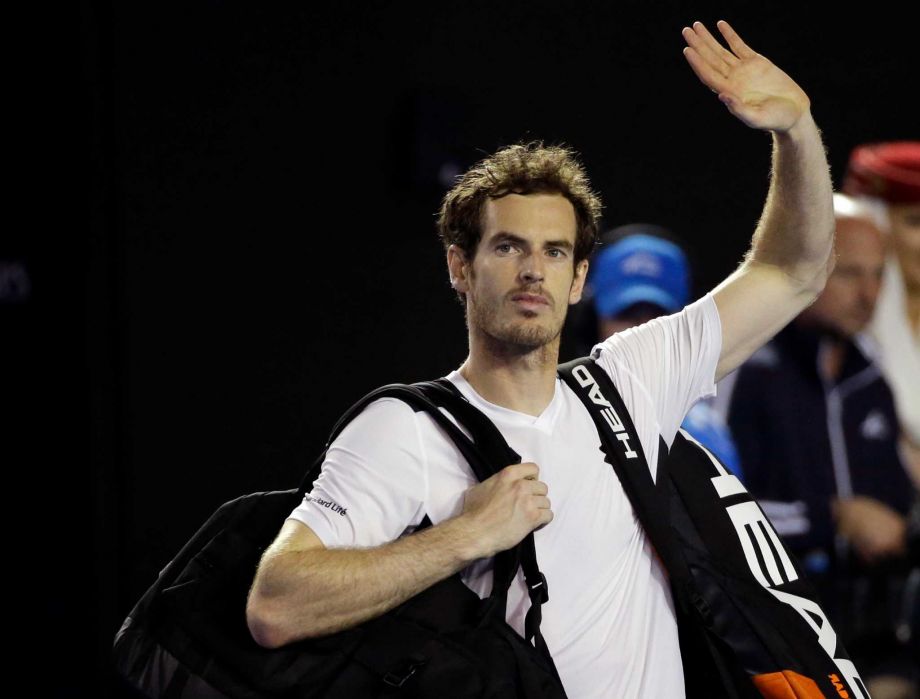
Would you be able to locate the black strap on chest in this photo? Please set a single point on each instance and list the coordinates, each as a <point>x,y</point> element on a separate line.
<point>623,451</point>
<point>650,501</point>
<point>491,441</point>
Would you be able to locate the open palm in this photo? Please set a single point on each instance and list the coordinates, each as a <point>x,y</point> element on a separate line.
<point>753,89</point>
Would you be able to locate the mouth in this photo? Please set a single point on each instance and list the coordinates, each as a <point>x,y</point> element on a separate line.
<point>531,301</point>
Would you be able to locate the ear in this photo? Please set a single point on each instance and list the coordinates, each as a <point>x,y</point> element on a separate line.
<point>578,283</point>
<point>457,267</point>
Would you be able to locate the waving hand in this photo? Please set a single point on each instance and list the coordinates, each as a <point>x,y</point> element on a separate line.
<point>754,90</point>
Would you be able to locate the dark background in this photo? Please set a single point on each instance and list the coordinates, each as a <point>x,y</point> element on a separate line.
<point>228,233</point>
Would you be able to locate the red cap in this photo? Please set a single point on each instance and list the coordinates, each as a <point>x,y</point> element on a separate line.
<point>889,171</point>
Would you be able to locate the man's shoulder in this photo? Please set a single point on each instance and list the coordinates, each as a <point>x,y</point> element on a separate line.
<point>700,318</point>
<point>392,405</point>
<point>384,419</point>
<point>392,418</point>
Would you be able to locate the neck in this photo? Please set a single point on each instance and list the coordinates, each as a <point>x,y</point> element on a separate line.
<point>913,309</point>
<point>515,377</point>
<point>831,358</point>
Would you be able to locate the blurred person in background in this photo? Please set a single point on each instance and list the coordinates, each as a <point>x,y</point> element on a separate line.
<point>886,178</point>
<point>816,428</point>
<point>640,272</point>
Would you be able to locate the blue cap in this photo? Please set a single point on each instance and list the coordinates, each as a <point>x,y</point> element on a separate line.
<point>639,268</point>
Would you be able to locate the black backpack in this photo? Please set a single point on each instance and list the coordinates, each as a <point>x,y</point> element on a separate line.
<point>187,636</point>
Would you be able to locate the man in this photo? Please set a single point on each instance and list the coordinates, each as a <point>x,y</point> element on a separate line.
<point>641,273</point>
<point>886,176</point>
<point>518,228</point>
<point>817,431</point>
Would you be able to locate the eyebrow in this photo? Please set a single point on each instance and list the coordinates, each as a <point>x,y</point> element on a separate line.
<point>506,237</point>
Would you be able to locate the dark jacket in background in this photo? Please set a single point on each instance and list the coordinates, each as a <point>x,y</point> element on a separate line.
<point>804,440</point>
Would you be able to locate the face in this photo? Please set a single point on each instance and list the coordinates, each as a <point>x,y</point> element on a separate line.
<point>522,278</point>
<point>905,239</point>
<point>848,300</point>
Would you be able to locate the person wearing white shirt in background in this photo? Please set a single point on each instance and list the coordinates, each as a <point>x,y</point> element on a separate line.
<point>885,177</point>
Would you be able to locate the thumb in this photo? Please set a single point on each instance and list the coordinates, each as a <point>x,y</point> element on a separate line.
<point>729,101</point>
<point>745,112</point>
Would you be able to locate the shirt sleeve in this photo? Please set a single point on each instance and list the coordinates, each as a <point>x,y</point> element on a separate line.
<point>373,484</point>
<point>672,360</point>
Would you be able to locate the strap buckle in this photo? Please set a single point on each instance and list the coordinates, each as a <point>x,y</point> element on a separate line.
<point>539,591</point>
<point>397,678</point>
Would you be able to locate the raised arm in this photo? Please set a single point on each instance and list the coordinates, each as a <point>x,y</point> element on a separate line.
<point>791,251</point>
<point>303,590</point>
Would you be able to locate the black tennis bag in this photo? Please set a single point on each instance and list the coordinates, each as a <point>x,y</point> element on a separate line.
<point>187,636</point>
<point>750,625</point>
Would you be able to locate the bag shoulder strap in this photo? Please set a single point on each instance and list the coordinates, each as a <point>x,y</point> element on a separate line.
<point>623,451</point>
<point>404,392</point>
<point>493,444</point>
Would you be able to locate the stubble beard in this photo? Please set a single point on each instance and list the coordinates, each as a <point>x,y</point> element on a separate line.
<point>510,338</point>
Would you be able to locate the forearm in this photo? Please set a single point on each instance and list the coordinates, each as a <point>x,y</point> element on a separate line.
<point>315,592</point>
<point>796,229</point>
<point>791,252</point>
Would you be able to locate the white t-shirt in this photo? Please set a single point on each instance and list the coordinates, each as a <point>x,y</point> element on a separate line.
<point>900,348</point>
<point>609,622</point>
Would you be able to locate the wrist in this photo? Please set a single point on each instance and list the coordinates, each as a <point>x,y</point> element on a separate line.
<point>469,543</point>
<point>803,128</point>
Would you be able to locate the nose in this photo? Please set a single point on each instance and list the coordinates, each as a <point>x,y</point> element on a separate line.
<point>532,269</point>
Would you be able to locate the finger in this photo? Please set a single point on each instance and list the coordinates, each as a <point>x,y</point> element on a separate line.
<point>738,46</point>
<point>543,503</point>
<point>529,471</point>
<point>714,44</point>
<point>526,471</point>
<point>546,516</point>
<point>706,73</point>
<point>703,47</point>
<point>539,488</point>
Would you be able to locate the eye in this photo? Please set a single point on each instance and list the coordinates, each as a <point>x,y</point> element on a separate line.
<point>556,252</point>
<point>504,248</point>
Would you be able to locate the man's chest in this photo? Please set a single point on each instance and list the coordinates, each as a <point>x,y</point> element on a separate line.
<point>592,514</point>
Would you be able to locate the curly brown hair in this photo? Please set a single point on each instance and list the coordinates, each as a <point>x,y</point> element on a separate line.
<point>522,168</point>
